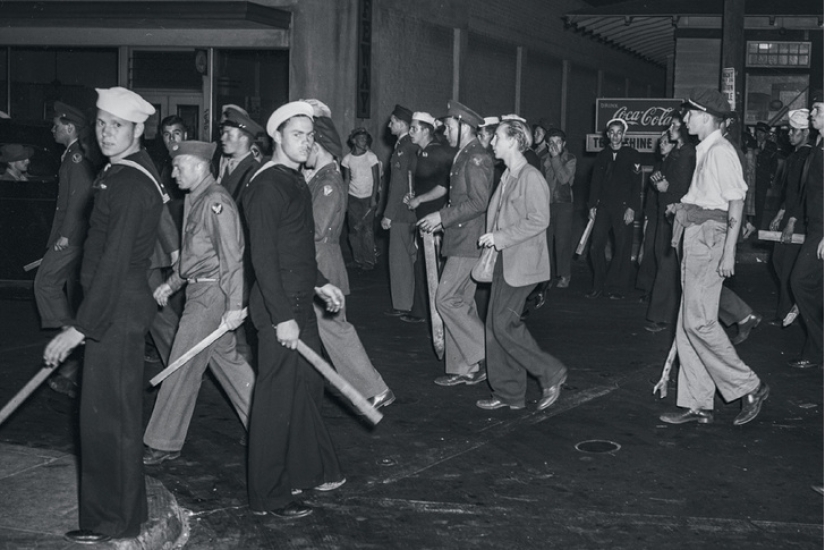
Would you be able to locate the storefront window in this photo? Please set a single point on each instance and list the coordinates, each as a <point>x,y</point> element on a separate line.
<point>39,76</point>
<point>768,95</point>
<point>779,54</point>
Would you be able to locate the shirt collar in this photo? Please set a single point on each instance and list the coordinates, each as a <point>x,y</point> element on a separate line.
<point>706,143</point>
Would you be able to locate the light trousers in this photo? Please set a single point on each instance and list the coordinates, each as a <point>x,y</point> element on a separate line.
<point>463,330</point>
<point>708,359</point>
<point>347,353</point>
<point>175,404</point>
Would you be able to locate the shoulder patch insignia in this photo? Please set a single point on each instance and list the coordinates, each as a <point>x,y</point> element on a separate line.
<point>77,158</point>
<point>477,161</point>
<point>327,190</point>
<point>217,208</point>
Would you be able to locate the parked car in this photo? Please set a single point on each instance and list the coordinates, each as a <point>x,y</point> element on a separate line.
<point>27,208</point>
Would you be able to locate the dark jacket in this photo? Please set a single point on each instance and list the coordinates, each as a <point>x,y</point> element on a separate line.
<point>278,208</point>
<point>616,183</point>
<point>401,164</point>
<point>431,168</point>
<point>73,197</point>
<point>122,233</point>
<point>237,180</point>
<point>471,182</point>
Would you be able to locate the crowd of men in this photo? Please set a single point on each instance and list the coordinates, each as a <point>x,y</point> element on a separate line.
<point>258,239</point>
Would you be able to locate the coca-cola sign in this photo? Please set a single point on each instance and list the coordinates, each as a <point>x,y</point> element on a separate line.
<point>643,115</point>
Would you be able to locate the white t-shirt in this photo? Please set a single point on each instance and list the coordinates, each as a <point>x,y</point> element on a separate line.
<point>360,169</point>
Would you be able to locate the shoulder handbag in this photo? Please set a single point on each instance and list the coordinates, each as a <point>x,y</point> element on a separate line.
<point>483,270</point>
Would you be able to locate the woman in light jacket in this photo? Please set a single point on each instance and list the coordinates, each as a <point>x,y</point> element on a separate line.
<point>517,219</point>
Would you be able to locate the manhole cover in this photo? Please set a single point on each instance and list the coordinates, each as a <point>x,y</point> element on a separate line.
<point>597,446</point>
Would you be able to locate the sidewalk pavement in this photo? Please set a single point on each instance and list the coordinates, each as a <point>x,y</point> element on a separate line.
<point>39,504</point>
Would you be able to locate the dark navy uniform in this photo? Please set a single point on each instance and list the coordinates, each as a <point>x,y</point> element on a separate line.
<point>431,168</point>
<point>58,268</point>
<point>289,446</point>
<point>114,317</point>
<point>615,186</point>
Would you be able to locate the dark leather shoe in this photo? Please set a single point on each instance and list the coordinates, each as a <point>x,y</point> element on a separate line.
<point>745,327</point>
<point>407,318</point>
<point>455,379</point>
<point>681,417</point>
<point>293,510</point>
<point>550,395</point>
<point>61,384</point>
<point>395,312</point>
<point>802,364</point>
<point>653,326</point>
<point>85,536</point>
<point>752,404</point>
<point>615,296</point>
<point>593,294</point>
<point>383,399</point>
<point>541,299</point>
<point>153,457</point>
<point>495,403</point>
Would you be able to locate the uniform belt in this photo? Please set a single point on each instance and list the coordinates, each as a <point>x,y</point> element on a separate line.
<point>201,280</point>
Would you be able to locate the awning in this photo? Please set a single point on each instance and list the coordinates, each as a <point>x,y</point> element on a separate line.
<point>150,14</point>
<point>148,23</point>
<point>646,28</point>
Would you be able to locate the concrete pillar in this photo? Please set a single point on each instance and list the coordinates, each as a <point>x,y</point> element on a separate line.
<point>323,56</point>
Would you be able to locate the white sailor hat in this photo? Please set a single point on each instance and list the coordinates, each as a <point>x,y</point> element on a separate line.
<point>287,111</point>
<point>621,121</point>
<point>425,117</point>
<point>124,104</point>
<point>490,121</point>
<point>319,107</point>
<point>799,119</point>
<point>513,117</point>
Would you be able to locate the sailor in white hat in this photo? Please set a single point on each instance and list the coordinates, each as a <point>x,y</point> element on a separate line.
<point>116,312</point>
<point>791,216</point>
<point>278,209</point>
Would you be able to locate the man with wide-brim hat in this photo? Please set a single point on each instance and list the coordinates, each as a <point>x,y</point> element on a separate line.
<point>806,279</point>
<point>463,222</point>
<point>113,318</point>
<point>17,159</point>
<point>711,215</point>
<point>211,267</point>
<point>296,451</point>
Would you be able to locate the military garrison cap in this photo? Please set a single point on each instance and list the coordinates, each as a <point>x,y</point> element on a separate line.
<point>402,113</point>
<point>201,149</point>
<point>327,136</point>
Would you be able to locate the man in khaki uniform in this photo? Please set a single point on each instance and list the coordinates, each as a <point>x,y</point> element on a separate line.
<point>211,264</point>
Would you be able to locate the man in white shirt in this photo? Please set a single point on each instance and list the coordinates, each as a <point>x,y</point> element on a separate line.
<point>711,213</point>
